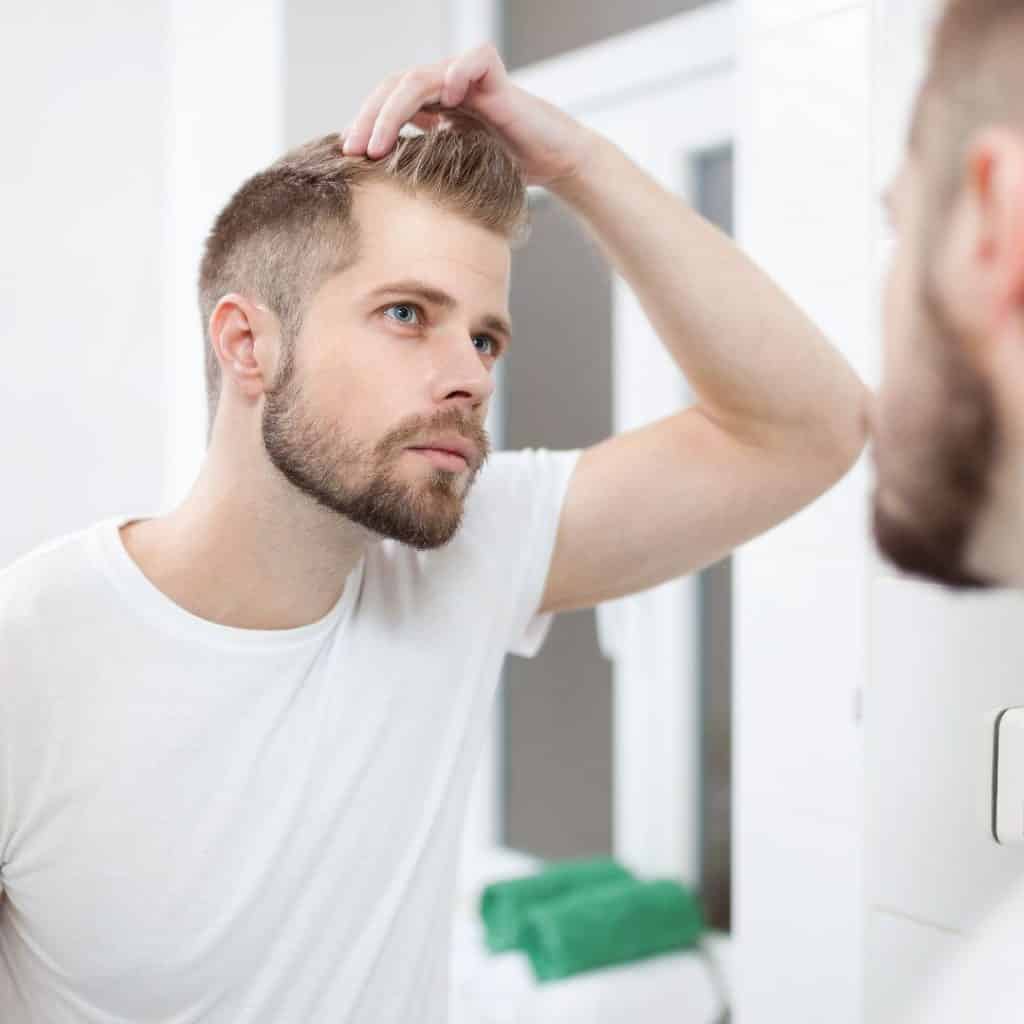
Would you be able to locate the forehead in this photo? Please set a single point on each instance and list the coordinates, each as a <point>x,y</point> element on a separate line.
<point>401,233</point>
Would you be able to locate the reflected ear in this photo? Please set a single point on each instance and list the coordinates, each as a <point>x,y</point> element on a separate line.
<point>996,186</point>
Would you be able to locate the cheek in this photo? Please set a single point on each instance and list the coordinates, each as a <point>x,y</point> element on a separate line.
<point>902,357</point>
<point>896,425</point>
<point>897,307</point>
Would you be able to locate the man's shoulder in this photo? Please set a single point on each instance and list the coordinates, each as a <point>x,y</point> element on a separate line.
<point>50,570</point>
<point>517,474</point>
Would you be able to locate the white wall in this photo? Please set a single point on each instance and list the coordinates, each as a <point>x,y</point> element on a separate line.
<point>82,402</point>
<point>126,127</point>
<point>800,591</point>
<point>338,52</point>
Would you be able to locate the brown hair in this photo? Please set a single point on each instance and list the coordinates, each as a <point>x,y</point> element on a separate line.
<point>290,227</point>
<point>975,76</point>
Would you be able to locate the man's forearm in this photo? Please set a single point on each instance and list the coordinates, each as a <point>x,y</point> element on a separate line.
<point>758,365</point>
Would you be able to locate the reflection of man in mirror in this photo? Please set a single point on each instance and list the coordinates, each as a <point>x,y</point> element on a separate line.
<point>949,425</point>
<point>236,740</point>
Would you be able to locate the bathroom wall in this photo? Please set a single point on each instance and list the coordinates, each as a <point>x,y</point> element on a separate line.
<point>800,592</point>
<point>82,173</point>
<point>338,52</point>
<point>124,127</point>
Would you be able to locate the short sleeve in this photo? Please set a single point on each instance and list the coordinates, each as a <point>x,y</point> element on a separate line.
<point>524,492</point>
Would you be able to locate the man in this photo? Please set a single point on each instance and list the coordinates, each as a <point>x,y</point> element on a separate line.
<point>949,425</point>
<point>238,738</point>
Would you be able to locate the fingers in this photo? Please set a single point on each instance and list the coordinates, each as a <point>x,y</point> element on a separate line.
<point>394,102</point>
<point>401,97</point>
<point>481,66</point>
<point>358,134</point>
<point>416,88</point>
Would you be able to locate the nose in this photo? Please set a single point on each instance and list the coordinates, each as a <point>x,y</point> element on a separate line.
<point>465,372</point>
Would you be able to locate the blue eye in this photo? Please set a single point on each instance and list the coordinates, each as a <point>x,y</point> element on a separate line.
<point>409,310</point>
<point>495,347</point>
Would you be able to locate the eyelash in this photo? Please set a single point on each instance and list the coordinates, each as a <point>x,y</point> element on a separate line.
<point>497,346</point>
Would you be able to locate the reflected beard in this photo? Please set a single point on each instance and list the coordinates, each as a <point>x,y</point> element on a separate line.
<point>943,502</point>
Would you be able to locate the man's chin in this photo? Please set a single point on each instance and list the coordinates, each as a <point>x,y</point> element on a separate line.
<point>933,552</point>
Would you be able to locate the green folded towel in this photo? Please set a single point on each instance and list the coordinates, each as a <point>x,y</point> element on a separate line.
<point>613,923</point>
<point>504,904</point>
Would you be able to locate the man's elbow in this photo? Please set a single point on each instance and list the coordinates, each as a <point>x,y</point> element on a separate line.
<point>848,432</point>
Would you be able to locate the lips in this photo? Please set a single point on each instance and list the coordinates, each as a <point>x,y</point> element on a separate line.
<point>452,446</point>
<point>442,459</point>
<point>447,452</point>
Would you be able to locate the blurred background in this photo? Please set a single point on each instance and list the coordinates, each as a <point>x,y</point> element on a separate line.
<point>793,731</point>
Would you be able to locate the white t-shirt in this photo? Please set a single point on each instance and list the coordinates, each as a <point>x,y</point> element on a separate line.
<point>205,823</point>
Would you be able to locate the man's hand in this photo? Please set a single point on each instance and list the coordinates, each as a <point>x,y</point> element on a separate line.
<point>549,145</point>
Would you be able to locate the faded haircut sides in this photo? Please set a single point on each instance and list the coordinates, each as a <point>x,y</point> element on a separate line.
<point>290,227</point>
<point>975,78</point>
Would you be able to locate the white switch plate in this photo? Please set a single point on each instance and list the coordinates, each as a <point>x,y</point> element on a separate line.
<point>1008,777</point>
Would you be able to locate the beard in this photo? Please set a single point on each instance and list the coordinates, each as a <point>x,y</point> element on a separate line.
<point>946,469</point>
<point>348,478</point>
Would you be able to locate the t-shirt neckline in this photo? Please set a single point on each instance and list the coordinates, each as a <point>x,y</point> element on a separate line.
<point>146,598</point>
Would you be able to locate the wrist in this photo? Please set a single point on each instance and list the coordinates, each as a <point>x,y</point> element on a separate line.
<point>589,170</point>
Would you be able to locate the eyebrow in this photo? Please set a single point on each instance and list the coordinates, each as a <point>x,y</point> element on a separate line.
<point>437,297</point>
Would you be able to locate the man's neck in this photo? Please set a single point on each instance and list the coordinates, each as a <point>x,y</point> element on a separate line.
<point>273,568</point>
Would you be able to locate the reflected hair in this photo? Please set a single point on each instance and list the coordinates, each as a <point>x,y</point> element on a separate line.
<point>975,77</point>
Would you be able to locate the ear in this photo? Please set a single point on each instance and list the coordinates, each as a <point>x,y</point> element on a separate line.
<point>244,338</point>
<point>995,184</point>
